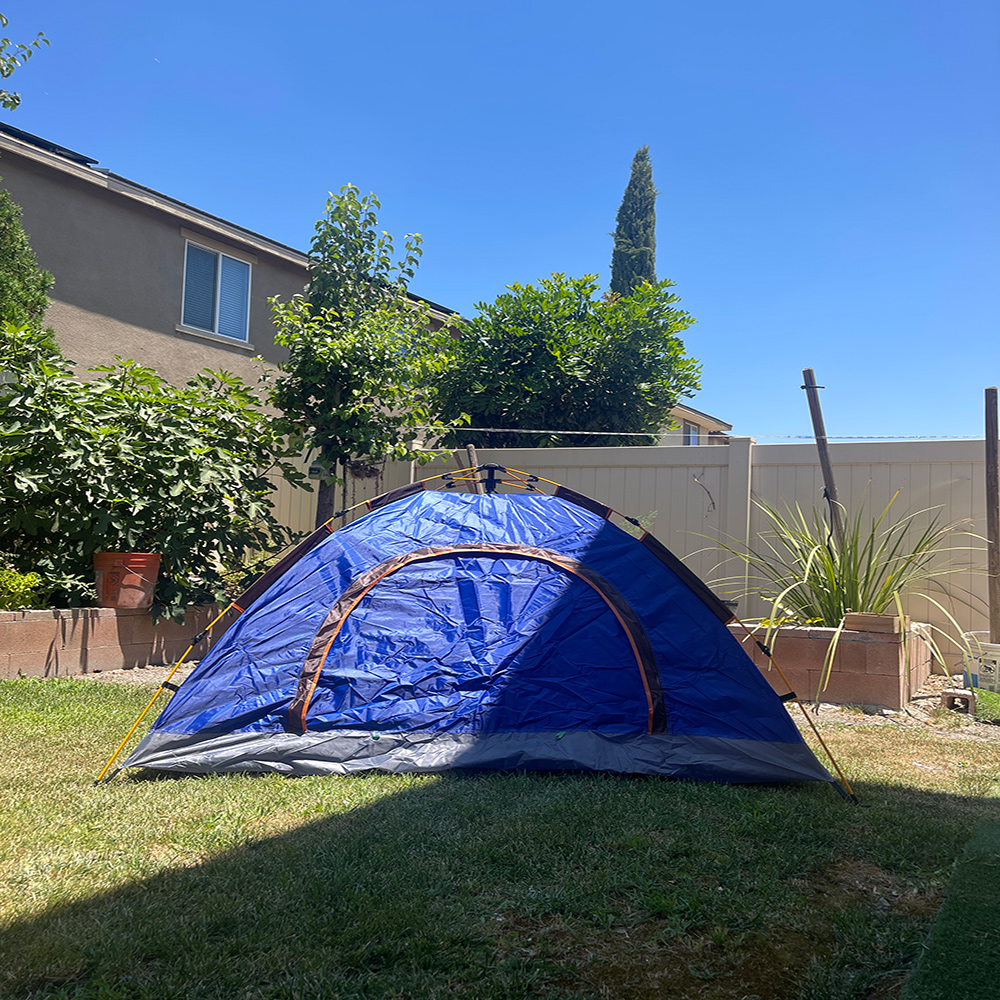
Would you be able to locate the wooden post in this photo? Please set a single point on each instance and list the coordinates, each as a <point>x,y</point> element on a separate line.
<point>993,513</point>
<point>470,450</point>
<point>809,378</point>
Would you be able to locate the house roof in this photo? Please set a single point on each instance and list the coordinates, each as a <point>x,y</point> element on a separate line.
<point>705,419</point>
<point>83,167</point>
<point>52,147</point>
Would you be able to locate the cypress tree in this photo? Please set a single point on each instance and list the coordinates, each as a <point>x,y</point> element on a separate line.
<point>633,260</point>
<point>23,285</point>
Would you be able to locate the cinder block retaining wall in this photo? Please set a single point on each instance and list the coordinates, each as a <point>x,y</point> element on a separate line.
<point>869,668</point>
<point>85,640</point>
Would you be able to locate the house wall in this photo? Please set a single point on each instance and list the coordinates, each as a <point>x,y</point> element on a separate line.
<point>118,264</point>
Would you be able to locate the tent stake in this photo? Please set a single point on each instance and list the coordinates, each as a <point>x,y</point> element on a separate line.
<point>163,687</point>
<point>792,696</point>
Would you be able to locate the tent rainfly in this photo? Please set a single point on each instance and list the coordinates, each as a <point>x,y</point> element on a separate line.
<point>500,631</point>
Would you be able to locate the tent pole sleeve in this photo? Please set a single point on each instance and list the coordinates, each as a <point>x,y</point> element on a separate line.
<point>360,587</point>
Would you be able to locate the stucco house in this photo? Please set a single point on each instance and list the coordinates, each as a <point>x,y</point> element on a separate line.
<point>695,427</point>
<point>145,276</point>
<point>140,274</point>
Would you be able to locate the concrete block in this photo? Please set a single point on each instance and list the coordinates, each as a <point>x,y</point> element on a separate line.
<point>852,657</point>
<point>867,689</point>
<point>884,658</point>
<point>959,700</point>
<point>83,631</point>
<point>35,665</point>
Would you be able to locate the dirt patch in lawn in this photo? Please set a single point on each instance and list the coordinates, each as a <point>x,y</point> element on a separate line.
<point>646,960</point>
<point>850,882</point>
<point>923,713</point>
<point>139,675</point>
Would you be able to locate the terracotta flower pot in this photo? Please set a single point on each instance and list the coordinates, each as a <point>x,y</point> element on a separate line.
<point>126,579</point>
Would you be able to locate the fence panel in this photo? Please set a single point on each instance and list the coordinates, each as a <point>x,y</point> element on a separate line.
<point>683,494</point>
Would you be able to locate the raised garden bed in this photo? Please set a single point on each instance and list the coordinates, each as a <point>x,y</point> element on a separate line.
<point>84,640</point>
<point>869,668</point>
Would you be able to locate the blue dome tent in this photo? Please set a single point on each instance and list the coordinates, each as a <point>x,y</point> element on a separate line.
<point>461,630</point>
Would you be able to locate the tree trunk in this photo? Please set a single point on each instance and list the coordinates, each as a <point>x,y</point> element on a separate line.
<point>326,501</point>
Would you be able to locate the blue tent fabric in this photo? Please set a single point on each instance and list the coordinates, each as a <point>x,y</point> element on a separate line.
<point>484,631</point>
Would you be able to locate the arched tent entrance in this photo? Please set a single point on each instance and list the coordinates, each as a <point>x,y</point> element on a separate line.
<point>487,631</point>
<point>528,647</point>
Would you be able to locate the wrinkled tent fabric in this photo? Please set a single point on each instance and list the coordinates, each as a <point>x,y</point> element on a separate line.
<point>448,630</point>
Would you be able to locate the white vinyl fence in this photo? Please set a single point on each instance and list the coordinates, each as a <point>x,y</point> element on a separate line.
<point>683,494</point>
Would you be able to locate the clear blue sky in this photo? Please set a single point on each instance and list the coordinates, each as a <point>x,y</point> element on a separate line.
<point>828,172</point>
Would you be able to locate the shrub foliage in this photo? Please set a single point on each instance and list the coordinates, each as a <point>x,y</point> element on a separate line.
<point>24,286</point>
<point>129,462</point>
<point>552,356</point>
<point>21,591</point>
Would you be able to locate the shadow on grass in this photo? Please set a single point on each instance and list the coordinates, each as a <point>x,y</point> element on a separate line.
<point>522,885</point>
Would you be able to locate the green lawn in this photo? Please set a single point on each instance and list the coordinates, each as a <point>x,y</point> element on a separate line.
<point>464,886</point>
<point>959,959</point>
<point>987,705</point>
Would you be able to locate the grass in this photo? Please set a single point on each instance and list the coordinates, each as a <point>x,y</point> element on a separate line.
<point>962,953</point>
<point>490,886</point>
<point>987,705</point>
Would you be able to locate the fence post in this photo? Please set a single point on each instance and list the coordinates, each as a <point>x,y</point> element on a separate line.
<point>737,515</point>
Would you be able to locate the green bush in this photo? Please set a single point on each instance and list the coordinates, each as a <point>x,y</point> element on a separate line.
<point>22,591</point>
<point>553,356</point>
<point>24,286</point>
<point>128,462</point>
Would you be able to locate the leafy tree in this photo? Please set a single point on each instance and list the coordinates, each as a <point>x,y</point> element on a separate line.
<point>12,56</point>
<point>358,381</point>
<point>23,285</point>
<point>633,260</point>
<point>551,356</point>
<point>129,462</point>
<point>351,266</point>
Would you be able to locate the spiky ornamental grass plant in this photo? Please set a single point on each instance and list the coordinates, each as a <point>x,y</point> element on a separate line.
<point>809,579</point>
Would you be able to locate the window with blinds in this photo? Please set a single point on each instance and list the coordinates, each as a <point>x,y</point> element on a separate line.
<point>216,292</point>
